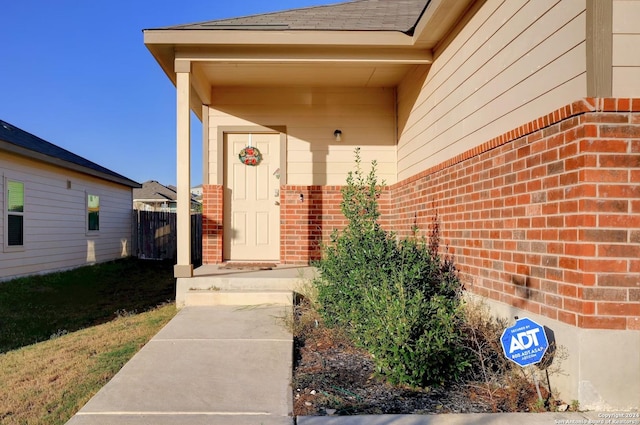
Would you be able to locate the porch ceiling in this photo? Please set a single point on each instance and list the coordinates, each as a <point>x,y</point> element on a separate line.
<point>249,56</point>
<point>320,66</point>
<point>303,74</point>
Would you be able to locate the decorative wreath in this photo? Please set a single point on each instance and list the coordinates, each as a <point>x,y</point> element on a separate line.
<point>250,156</point>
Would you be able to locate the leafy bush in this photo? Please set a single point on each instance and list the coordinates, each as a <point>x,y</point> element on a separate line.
<point>395,298</point>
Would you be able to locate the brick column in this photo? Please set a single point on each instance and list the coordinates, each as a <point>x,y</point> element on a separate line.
<point>212,224</point>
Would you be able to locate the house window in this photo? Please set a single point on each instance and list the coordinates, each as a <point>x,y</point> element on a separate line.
<point>15,213</point>
<point>93,212</point>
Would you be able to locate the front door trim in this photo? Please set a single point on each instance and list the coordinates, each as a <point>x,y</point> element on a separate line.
<point>220,159</point>
<point>223,130</point>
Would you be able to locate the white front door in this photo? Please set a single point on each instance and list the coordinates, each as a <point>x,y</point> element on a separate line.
<point>251,199</point>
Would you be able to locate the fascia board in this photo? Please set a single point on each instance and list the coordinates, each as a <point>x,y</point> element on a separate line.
<point>302,38</point>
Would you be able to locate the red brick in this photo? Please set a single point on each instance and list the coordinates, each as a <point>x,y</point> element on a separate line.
<point>571,304</point>
<point>568,207</point>
<point>623,161</point>
<point>600,145</point>
<point>603,266</point>
<point>599,322</point>
<point>604,205</point>
<point>609,104</point>
<point>580,220</point>
<point>555,221</point>
<point>624,105</point>
<point>567,317</point>
<point>569,263</point>
<point>549,312</point>
<point>622,251</point>
<point>618,191</point>
<point>569,235</point>
<point>602,235</point>
<point>618,309</point>
<point>633,323</point>
<point>604,175</point>
<point>620,131</point>
<point>619,280</point>
<point>607,118</point>
<point>605,294</point>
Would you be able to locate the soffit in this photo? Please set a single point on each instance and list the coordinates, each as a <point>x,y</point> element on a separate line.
<point>223,53</point>
<point>302,66</point>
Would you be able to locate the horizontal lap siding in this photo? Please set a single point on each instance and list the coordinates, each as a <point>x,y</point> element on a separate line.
<point>514,61</point>
<point>55,222</point>
<point>310,115</point>
<point>626,56</point>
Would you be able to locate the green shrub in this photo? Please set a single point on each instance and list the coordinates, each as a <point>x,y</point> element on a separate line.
<point>395,298</point>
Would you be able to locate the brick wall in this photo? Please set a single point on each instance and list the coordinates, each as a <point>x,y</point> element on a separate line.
<point>307,221</point>
<point>546,217</point>
<point>212,225</point>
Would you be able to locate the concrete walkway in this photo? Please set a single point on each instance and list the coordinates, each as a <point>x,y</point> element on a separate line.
<point>232,365</point>
<point>209,365</point>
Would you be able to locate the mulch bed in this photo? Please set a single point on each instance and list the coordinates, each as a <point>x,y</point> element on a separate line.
<point>331,377</point>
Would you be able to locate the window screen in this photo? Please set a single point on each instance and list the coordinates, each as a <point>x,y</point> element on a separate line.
<point>15,213</point>
<point>93,210</point>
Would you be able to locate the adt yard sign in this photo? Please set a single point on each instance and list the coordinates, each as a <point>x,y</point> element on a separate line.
<point>525,342</point>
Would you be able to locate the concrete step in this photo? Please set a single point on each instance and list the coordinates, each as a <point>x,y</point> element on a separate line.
<point>237,297</point>
<point>211,278</point>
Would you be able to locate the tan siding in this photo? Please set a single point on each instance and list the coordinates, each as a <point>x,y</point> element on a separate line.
<point>365,116</point>
<point>514,61</point>
<point>55,222</point>
<point>625,16</point>
<point>626,50</point>
<point>626,53</point>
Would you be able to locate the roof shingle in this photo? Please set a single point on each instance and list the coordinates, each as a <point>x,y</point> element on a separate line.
<point>356,15</point>
<point>25,142</point>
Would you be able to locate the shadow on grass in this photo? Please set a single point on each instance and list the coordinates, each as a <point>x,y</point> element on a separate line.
<point>35,308</point>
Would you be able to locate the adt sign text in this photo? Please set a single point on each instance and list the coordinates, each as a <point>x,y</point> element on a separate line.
<point>525,342</point>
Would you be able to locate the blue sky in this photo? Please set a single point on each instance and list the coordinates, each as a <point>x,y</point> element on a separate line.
<point>77,74</point>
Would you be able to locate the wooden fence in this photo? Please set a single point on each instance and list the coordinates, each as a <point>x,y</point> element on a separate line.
<point>155,235</point>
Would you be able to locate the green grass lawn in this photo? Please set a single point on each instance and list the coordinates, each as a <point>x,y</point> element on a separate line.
<point>33,309</point>
<point>64,335</point>
<point>48,382</point>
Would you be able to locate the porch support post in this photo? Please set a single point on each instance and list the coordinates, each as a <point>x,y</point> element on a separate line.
<point>183,268</point>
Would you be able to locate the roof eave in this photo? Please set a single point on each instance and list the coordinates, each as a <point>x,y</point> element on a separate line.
<point>438,20</point>
<point>163,43</point>
<point>276,37</point>
<point>9,147</point>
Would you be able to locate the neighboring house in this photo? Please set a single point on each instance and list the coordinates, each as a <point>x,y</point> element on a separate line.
<point>516,122</point>
<point>154,196</point>
<point>196,192</point>
<point>59,210</point>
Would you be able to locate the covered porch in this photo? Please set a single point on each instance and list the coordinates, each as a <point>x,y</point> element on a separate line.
<point>305,85</point>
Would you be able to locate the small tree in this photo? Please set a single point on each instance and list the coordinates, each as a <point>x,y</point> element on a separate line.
<point>395,298</point>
